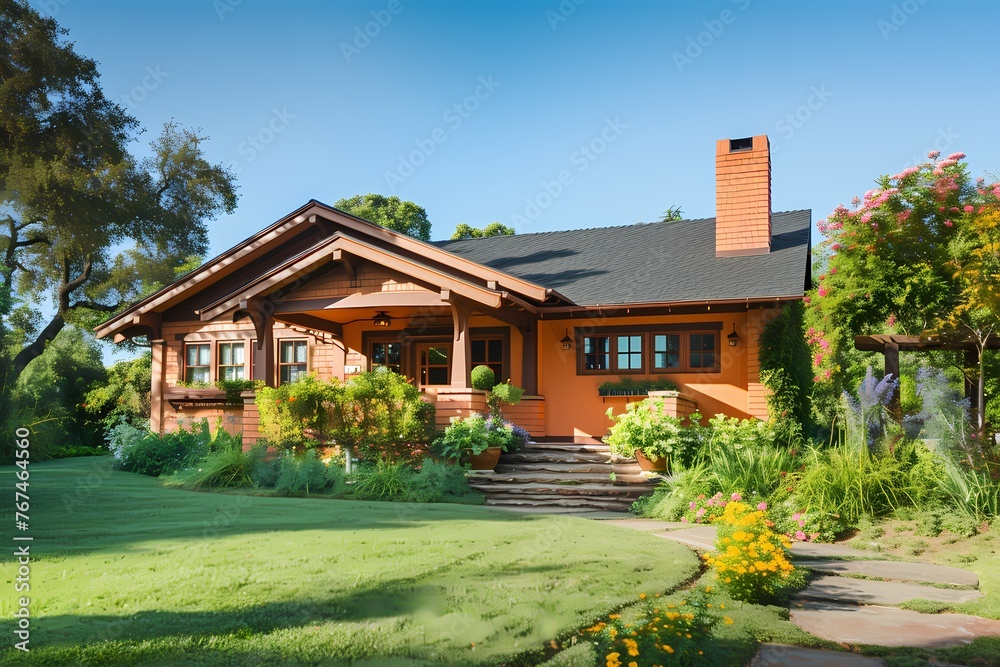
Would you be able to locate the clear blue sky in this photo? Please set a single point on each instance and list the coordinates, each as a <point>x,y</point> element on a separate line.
<point>332,113</point>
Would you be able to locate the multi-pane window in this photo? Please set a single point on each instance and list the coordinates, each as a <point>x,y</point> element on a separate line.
<point>666,351</point>
<point>197,362</point>
<point>388,355</point>
<point>679,351</point>
<point>702,350</point>
<point>232,361</point>
<point>628,353</point>
<point>434,366</point>
<point>292,360</point>
<point>489,352</point>
<point>597,353</point>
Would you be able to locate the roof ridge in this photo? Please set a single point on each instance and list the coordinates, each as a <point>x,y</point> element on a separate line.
<point>587,229</point>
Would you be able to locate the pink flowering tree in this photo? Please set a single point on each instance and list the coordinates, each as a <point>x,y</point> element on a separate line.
<point>901,260</point>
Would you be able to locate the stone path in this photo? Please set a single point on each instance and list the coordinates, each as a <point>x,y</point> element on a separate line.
<point>851,610</point>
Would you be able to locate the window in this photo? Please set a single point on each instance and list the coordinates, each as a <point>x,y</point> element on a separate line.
<point>681,348</point>
<point>386,354</point>
<point>232,360</point>
<point>489,352</point>
<point>597,353</point>
<point>198,364</point>
<point>629,353</point>
<point>702,351</point>
<point>666,351</point>
<point>292,360</point>
<point>434,364</point>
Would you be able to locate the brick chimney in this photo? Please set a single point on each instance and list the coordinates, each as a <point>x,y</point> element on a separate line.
<point>743,196</point>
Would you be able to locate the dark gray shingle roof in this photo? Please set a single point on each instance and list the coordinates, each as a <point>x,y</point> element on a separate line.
<point>656,262</point>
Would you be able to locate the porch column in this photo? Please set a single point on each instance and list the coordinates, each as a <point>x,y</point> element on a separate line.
<point>529,359</point>
<point>461,349</point>
<point>892,366</point>
<point>263,365</point>
<point>158,349</point>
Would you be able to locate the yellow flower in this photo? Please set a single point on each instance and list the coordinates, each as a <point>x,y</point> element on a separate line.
<point>613,660</point>
<point>667,648</point>
<point>632,646</point>
<point>642,596</point>
<point>633,664</point>
<point>728,620</point>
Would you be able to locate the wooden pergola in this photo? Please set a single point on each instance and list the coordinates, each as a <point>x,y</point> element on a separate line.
<point>891,345</point>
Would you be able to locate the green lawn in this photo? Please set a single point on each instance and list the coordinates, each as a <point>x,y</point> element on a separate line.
<point>127,572</point>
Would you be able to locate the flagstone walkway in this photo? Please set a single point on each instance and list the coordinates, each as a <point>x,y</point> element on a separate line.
<point>847,604</point>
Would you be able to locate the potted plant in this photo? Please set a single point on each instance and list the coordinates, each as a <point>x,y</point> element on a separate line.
<point>478,441</point>
<point>646,433</point>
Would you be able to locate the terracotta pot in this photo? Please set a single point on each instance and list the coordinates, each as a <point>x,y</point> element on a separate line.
<point>486,461</point>
<point>659,465</point>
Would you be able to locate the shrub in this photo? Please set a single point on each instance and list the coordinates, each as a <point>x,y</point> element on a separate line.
<point>645,426</point>
<point>662,633</point>
<point>786,368</point>
<point>297,412</point>
<point>266,468</point>
<point>386,480</point>
<point>751,561</point>
<point>138,450</point>
<point>760,469</point>
<point>628,386</point>
<point>671,498</point>
<point>234,389</point>
<point>851,482</point>
<point>476,434</point>
<point>301,475</point>
<point>483,378</point>
<point>229,468</point>
<point>380,415</point>
<point>440,483</point>
<point>502,394</point>
<point>973,492</point>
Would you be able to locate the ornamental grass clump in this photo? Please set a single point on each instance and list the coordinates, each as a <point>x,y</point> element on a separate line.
<point>662,633</point>
<point>751,561</point>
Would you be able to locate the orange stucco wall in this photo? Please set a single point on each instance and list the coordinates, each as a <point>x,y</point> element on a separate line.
<point>573,407</point>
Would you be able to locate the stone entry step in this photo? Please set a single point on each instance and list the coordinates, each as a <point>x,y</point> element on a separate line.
<point>563,475</point>
<point>895,570</point>
<point>888,626</point>
<point>869,591</point>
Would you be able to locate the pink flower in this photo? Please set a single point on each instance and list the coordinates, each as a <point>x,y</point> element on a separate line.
<point>700,513</point>
<point>821,291</point>
<point>934,155</point>
<point>736,496</point>
<point>684,519</point>
<point>969,209</point>
<point>835,246</point>
<point>762,507</point>
<point>904,215</point>
<point>800,536</point>
<point>956,156</point>
<point>866,217</point>
<point>796,516</point>
<point>807,300</point>
<point>692,505</point>
<point>833,270</point>
<point>948,223</point>
<point>827,373</point>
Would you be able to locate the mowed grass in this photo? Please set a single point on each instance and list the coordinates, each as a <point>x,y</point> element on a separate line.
<point>126,572</point>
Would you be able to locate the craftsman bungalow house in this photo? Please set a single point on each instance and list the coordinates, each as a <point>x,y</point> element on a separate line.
<point>324,292</point>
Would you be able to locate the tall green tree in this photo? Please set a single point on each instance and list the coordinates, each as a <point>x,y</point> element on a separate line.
<point>465,231</point>
<point>85,224</point>
<point>912,257</point>
<point>392,213</point>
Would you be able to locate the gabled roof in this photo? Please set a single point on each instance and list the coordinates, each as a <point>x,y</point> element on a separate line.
<point>659,262</point>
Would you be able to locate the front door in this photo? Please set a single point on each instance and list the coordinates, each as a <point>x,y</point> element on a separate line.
<point>433,365</point>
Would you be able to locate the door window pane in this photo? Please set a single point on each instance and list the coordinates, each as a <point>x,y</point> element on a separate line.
<point>434,369</point>
<point>388,355</point>
<point>489,352</point>
<point>597,353</point>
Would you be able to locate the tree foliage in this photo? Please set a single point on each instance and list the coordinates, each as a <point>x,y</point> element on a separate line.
<point>917,255</point>
<point>465,231</point>
<point>84,225</point>
<point>785,366</point>
<point>392,213</point>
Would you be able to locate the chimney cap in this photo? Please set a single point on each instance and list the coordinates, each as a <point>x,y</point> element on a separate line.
<point>744,144</point>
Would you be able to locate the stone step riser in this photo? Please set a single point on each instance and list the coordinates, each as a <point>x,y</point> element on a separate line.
<point>565,504</point>
<point>553,457</point>
<point>500,479</point>
<point>568,468</point>
<point>543,492</point>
